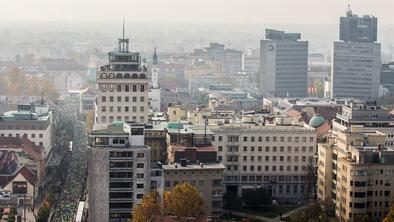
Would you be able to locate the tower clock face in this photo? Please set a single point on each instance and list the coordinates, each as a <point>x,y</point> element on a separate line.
<point>270,47</point>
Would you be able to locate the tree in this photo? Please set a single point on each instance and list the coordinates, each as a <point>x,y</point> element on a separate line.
<point>390,216</point>
<point>256,197</point>
<point>149,207</point>
<point>231,201</point>
<point>89,121</point>
<point>184,201</point>
<point>43,214</point>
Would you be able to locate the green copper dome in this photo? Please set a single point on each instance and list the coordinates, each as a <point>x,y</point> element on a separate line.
<point>316,121</point>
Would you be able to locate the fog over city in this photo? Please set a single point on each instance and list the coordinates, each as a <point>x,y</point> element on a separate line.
<point>196,110</point>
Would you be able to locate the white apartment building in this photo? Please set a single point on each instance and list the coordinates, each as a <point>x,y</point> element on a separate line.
<point>278,157</point>
<point>35,121</point>
<point>122,87</point>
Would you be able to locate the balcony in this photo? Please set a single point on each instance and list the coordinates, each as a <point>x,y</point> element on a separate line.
<point>121,189</point>
<point>122,200</point>
<point>120,179</point>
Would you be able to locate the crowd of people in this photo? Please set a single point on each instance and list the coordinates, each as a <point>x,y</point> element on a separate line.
<point>74,186</point>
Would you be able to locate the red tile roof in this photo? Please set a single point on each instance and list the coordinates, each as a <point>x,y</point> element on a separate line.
<point>21,143</point>
<point>26,173</point>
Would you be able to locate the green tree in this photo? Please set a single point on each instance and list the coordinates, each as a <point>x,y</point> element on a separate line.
<point>43,214</point>
<point>231,201</point>
<point>256,197</point>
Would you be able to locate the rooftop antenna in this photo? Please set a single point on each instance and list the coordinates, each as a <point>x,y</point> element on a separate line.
<point>123,27</point>
<point>42,96</point>
<point>349,11</point>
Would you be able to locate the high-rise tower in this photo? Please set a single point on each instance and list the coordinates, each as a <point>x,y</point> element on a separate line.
<point>356,59</point>
<point>283,64</point>
<point>123,87</point>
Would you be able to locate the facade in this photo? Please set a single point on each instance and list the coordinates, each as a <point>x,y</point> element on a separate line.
<point>387,76</point>
<point>369,115</point>
<point>277,157</point>
<point>356,59</point>
<point>283,64</point>
<point>207,178</point>
<point>232,62</point>
<point>35,121</point>
<point>355,172</point>
<point>122,87</point>
<point>119,171</point>
<point>356,70</point>
<point>155,138</point>
<point>87,100</point>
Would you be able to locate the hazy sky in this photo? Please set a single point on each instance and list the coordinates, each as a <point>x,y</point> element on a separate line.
<point>218,11</point>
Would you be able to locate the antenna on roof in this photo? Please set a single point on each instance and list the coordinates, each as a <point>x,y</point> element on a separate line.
<point>42,96</point>
<point>123,27</point>
<point>349,11</point>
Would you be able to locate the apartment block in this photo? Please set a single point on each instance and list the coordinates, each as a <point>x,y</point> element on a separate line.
<point>278,157</point>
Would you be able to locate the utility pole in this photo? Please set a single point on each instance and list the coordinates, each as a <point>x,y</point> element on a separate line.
<point>24,207</point>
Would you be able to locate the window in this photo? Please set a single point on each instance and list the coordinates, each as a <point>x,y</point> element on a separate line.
<point>304,139</point>
<point>267,149</point>
<point>245,148</point>
<point>259,148</point>
<point>252,148</point>
<point>103,119</point>
<point>252,138</point>
<point>111,98</point>
<point>103,98</point>
<point>311,139</point>
<point>220,148</point>
<point>119,109</point>
<point>274,158</point>
<point>289,149</point>
<point>297,139</point>
<point>142,109</point>
<point>119,99</point>
<point>281,158</point>
<point>139,195</point>
<point>258,168</point>
<point>220,138</point>
<point>134,88</point>
<point>134,99</point>
<point>142,88</point>
<point>142,99</point>
<point>140,175</point>
<point>40,135</point>
<point>274,149</point>
<point>33,135</point>
<point>126,88</point>
<point>140,185</point>
<point>134,109</point>
<point>126,99</point>
<point>267,158</point>
<point>266,168</point>
<point>168,183</point>
<point>274,139</point>
<point>282,139</point>
<point>140,165</point>
<point>245,139</point>
<point>126,108</point>
<point>111,109</point>
<point>103,109</point>
<point>245,158</point>
<point>140,155</point>
<point>260,139</point>
<point>267,139</point>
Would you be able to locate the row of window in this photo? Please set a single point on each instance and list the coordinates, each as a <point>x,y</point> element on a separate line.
<point>119,118</point>
<point>267,158</point>
<point>119,99</point>
<point>266,139</point>
<point>119,109</point>
<point>11,127</point>
<point>232,148</point>
<point>193,183</point>
<point>32,135</point>
<point>267,168</point>
<point>123,76</point>
<point>122,87</point>
<point>267,179</point>
<point>18,135</point>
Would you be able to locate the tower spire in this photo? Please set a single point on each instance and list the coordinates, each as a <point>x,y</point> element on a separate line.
<point>154,57</point>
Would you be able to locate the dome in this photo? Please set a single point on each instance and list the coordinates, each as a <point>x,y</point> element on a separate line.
<point>316,121</point>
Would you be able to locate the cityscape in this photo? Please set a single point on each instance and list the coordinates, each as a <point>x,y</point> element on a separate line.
<point>197,111</point>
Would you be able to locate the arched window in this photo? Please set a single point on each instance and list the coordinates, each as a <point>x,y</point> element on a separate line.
<point>111,75</point>
<point>142,76</point>
<point>104,75</point>
<point>119,76</point>
<point>127,76</point>
<point>134,76</point>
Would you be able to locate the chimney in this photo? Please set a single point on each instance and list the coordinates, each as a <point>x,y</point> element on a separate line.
<point>201,165</point>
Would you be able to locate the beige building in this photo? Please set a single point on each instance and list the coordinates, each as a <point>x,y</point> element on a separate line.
<point>206,178</point>
<point>155,138</point>
<point>278,157</point>
<point>122,88</point>
<point>355,171</point>
<point>175,114</point>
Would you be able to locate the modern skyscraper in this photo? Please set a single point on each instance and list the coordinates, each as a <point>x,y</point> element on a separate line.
<point>123,87</point>
<point>283,64</point>
<point>356,60</point>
